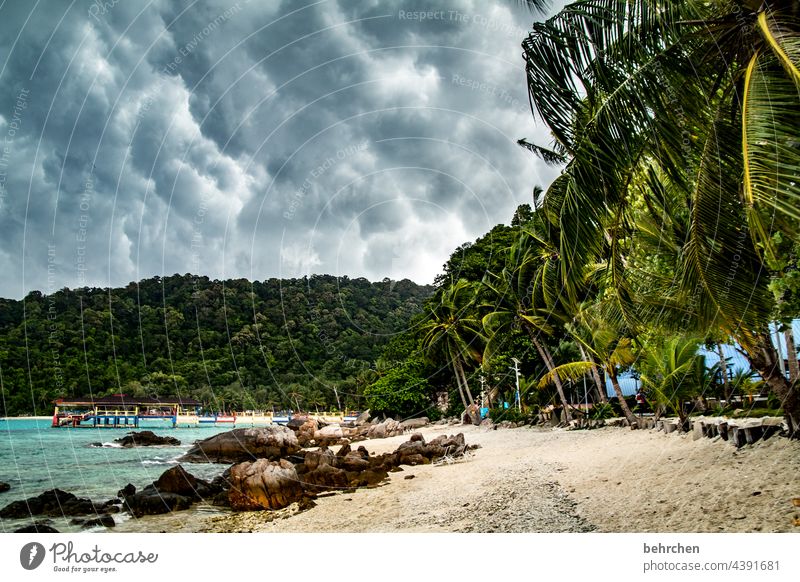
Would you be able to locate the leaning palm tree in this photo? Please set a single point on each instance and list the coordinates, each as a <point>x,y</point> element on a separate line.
<point>653,102</point>
<point>512,294</point>
<point>612,349</point>
<point>453,330</point>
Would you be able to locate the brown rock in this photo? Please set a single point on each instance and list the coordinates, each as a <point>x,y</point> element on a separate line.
<point>177,480</point>
<point>318,458</point>
<point>415,423</point>
<point>353,461</point>
<point>263,484</point>
<point>244,444</point>
<point>325,478</point>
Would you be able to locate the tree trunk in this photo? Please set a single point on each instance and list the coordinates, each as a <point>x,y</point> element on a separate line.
<point>544,353</point>
<point>601,389</point>
<point>723,367</point>
<point>791,355</point>
<point>458,382</point>
<point>464,381</point>
<point>764,359</point>
<point>612,374</point>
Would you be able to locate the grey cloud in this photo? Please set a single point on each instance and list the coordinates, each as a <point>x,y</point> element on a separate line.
<point>237,139</point>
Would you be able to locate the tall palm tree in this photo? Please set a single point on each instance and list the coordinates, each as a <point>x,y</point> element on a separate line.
<point>612,349</point>
<point>655,102</point>
<point>454,329</point>
<point>513,292</point>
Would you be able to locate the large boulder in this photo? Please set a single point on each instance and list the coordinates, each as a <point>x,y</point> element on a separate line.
<point>151,501</point>
<point>146,438</point>
<point>244,444</point>
<point>331,433</point>
<point>263,484</point>
<point>362,419</point>
<point>415,423</point>
<point>175,490</point>
<point>306,431</point>
<point>385,429</point>
<point>54,502</point>
<point>325,478</point>
<point>178,480</point>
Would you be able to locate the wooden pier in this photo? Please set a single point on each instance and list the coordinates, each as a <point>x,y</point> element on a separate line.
<point>122,411</point>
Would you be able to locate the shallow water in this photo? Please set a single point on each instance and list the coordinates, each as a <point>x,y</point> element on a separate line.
<point>35,457</point>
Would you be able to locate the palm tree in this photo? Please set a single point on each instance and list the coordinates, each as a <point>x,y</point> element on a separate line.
<point>612,349</point>
<point>453,329</point>
<point>674,372</point>
<point>655,103</point>
<point>512,292</point>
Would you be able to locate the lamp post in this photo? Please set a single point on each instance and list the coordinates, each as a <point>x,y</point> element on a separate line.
<point>516,374</point>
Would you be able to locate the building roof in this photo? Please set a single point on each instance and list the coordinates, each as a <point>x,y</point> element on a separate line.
<point>125,400</point>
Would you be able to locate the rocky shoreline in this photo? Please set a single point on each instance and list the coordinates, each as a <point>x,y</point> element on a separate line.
<point>271,468</point>
<point>526,479</point>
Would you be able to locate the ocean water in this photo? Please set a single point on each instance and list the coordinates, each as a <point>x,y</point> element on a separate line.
<point>35,457</point>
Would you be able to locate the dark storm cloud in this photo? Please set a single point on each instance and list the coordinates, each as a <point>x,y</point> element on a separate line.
<point>256,139</point>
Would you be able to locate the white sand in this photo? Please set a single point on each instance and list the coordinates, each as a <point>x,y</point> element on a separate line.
<point>532,480</point>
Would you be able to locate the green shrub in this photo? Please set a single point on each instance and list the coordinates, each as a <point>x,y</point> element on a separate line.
<point>601,411</point>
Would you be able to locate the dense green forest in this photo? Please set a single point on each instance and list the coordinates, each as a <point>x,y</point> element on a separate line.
<point>232,344</point>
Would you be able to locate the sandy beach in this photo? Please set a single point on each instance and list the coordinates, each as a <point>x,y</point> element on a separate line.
<point>536,480</point>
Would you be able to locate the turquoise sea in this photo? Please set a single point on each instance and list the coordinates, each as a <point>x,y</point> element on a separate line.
<point>35,457</point>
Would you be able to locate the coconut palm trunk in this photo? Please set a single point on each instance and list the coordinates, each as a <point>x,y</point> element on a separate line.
<point>723,368</point>
<point>458,383</point>
<point>791,355</point>
<point>460,370</point>
<point>601,389</point>
<point>612,374</point>
<point>763,359</point>
<point>544,353</point>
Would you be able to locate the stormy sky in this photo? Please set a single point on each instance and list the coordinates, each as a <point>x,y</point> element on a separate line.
<point>256,139</point>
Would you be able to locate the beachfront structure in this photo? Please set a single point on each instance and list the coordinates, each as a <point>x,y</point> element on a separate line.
<point>122,411</point>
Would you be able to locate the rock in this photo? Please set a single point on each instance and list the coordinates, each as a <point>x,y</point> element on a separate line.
<point>244,444</point>
<point>126,491</point>
<point>415,423</point>
<point>178,480</point>
<point>409,477</point>
<point>151,501</point>
<point>4,487</point>
<point>354,461</point>
<point>146,438</point>
<point>104,520</point>
<point>417,437</point>
<point>370,478</point>
<point>54,502</point>
<point>324,478</point>
<point>410,448</point>
<point>417,459</point>
<point>329,433</point>
<point>305,431</point>
<point>385,429</point>
<point>362,419</point>
<point>264,484</point>
<point>487,423</point>
<point>37,527</point>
